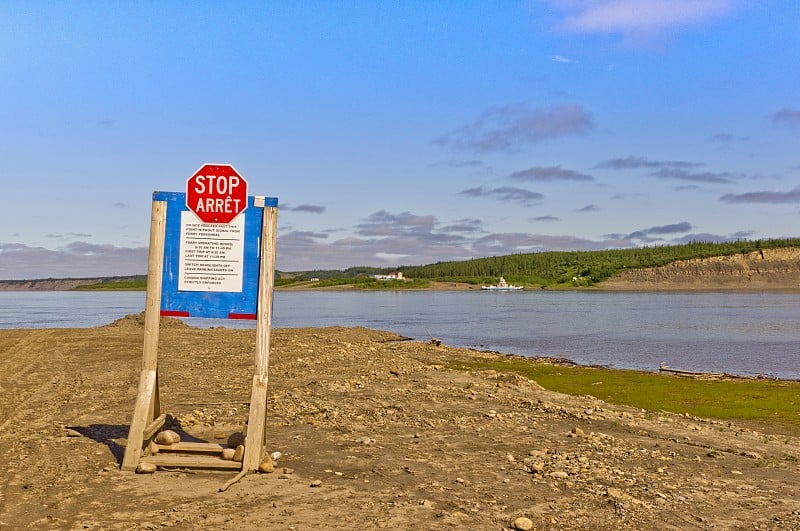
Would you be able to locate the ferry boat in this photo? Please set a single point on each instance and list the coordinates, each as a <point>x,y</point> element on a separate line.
<point>502,285</point>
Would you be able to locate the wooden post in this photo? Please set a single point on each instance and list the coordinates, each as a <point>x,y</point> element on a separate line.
<point>148,405</point>
<point>256,425</point>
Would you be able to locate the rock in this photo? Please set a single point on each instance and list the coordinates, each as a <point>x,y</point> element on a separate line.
<point>275,455</point>
<point>236,439</point>
<point>145,468</point>
<point>316,483</point>
<point>522,524</point>
<point>536,468</point>
<point>228,453</point>
<point>577,432</point>
<point>617,495</point>
<point>366,441</point>
<point>559,474</point>
<point>73,433</point>
<point>238,455</point>
<point>267,466</point>
<point>168,438</point>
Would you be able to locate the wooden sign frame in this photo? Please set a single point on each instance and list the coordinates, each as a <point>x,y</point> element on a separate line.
<point>148,420</point>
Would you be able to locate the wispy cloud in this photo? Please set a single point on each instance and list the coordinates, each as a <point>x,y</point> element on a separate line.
<point>668,169</point>
<point>75,260</point>
<point>765,196</point>
<point>589,208</point>
<point>505,193</point>
<point>636,18</point>
<point>633,163</point>
<point>67,235</point>
<point>549,173</point>
<point>383,238</point>
<point>513,126</point>
<point>474,163</point>
<point>312,209</point>
<point>520,242</point>
<point>544,218</point>
<point>466,225</point>
<point>787,116</point>
<point>660,230</point>
<point>699,177</point>
<point>725,138</point>
<point>562,59</point>
<point>383,223</point>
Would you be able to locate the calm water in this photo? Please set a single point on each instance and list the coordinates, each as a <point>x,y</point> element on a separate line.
<point>740,333</point>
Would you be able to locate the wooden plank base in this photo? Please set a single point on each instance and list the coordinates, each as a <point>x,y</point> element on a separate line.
<point>190,461</point>
<point>206,448</point>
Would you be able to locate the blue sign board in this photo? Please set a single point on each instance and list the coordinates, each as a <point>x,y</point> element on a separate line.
<point>211,269</point>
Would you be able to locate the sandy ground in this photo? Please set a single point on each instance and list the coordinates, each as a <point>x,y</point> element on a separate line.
<point>375,432</point>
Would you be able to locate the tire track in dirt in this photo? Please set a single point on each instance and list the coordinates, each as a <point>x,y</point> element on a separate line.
<point>27,381</point>
<point>17,383</point>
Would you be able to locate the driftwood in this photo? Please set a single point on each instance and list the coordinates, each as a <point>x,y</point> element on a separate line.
<point>230,482</point>
<point>662,367</point>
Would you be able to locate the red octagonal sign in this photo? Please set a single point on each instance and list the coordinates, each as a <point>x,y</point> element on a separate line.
<point>216,193</point>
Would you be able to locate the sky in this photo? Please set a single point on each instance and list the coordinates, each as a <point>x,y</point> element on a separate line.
<point>399,133</point>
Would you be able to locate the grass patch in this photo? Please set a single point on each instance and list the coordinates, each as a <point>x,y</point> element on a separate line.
<point>115,285</point>
<point>771,402</point>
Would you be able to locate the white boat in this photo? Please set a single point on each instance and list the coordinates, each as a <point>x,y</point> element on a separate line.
<point>502,285</point>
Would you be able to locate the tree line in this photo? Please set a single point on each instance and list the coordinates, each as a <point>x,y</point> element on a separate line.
<point>581,267</point>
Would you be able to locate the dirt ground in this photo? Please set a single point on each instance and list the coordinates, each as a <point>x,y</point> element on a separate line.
<point>375,432</point>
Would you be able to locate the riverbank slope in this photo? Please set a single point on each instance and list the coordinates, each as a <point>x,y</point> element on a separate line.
<point>763,270</point>
<point>374,431</point>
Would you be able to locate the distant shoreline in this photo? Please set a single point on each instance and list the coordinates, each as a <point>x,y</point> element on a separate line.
<point>608,286</point>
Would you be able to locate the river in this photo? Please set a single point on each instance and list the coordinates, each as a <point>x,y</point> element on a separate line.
<point>738,333</point>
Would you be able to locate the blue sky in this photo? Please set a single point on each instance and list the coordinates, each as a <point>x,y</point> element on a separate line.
<point>397,133</point>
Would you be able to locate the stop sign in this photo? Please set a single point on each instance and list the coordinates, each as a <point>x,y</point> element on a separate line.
<point>216,193</point>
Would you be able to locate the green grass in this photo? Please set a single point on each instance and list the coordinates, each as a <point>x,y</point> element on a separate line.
<point>771,402</point>
<point>115,285</point>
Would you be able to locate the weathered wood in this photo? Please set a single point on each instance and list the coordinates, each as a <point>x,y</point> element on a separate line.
<point>155,268</point>
<point>148,402</point>
<point>154,426</point>
<point>256,425</point>
<point>233,480</point>
<point>208,448</point>
<point>190,461</point>
<point>266,286</point>
<point>133,448</point>
<point>665,368</point>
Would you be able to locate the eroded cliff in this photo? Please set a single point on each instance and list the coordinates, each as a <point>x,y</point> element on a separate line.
<point>768,269</point>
